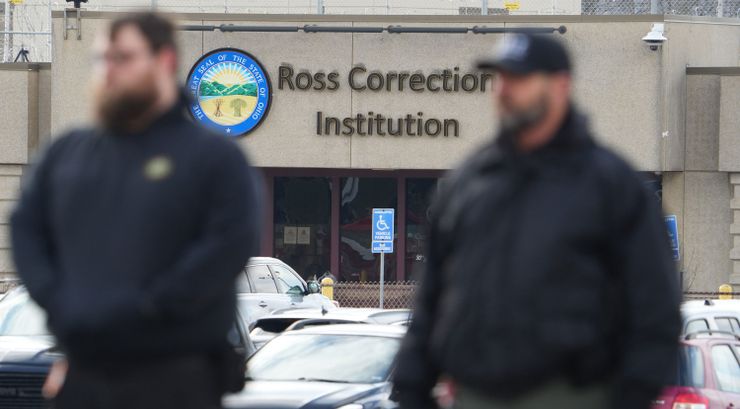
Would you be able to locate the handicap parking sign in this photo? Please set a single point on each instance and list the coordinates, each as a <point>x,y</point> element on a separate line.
<point>382,230</point>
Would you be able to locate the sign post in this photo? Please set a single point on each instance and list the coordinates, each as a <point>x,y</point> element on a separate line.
<point>382,241</point>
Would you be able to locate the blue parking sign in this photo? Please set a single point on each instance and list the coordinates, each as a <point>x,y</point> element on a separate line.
<point>672,225</point>
<point>382,230</point>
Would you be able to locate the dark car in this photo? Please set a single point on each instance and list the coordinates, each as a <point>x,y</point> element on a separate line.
<point>27,350</point>
<point>320,367</point>
<point>708,375</point>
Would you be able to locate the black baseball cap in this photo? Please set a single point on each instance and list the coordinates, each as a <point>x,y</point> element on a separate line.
<point>525,53</point>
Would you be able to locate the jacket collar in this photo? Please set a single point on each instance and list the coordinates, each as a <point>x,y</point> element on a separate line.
<point>572,136</point>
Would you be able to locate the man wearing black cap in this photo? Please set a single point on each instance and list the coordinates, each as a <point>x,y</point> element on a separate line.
<point>549,281</point>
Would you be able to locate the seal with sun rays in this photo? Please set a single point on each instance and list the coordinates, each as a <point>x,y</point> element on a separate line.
<point>231,91</point>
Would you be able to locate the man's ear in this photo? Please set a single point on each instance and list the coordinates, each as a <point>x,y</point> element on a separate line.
<point>168,58</point>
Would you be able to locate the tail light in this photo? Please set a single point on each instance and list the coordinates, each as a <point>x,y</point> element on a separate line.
<point>690,401</point>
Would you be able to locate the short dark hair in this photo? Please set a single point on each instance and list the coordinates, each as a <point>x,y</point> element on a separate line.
<point>158,31</point>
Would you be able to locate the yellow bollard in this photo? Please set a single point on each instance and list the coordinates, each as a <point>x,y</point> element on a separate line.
<point>327,287</point>
<point>725,292</point>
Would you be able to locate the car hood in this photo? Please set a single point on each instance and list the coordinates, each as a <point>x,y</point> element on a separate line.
<point>303,395</point>
<point>27,349</point>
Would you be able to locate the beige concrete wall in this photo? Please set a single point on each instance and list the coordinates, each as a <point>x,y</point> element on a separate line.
<point>25,115</point>
<point>10,178</point>
<point>699,43</point>
<point>729,123</point>
<point>15,114</point>
<point>702,122</point>
<point>706,230</point>
<point>611,83</point>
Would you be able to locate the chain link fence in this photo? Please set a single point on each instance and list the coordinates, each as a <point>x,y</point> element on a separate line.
<point>400,294</point>
<point>26,32</point>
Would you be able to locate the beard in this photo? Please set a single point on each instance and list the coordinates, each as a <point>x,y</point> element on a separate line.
<point>517,121</point>
<point>126,110</point>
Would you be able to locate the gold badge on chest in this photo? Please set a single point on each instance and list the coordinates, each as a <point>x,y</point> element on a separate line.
<point>158,168</point>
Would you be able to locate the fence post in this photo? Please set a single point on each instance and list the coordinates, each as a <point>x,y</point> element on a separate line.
<point>725,292</point>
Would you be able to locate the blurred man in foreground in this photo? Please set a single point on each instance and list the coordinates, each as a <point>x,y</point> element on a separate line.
<point>131,235</point>
<point>550,282</point>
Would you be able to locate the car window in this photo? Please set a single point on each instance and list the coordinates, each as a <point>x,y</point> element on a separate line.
<point>690,367</point>
<point>242,283</point>
<point>725,324</point>
<point>727,368</point>
<point>261,279</point>
<point>287,282</point>
<point>735,325</point>
<point>697,325</point>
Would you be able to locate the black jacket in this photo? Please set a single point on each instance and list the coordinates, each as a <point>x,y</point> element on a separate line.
<point>553,264</point>
<point>132,242</point>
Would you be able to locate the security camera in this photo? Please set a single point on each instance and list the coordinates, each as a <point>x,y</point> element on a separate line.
<point>655,38</point>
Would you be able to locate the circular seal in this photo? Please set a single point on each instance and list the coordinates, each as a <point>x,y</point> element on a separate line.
<point>231,91</point>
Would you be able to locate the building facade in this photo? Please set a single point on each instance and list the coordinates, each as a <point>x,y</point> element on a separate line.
<point>357,114</point>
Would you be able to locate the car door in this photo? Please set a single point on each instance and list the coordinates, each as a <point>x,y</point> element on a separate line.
<point>264,297</point>
<point>726,367</point>
<point>295,289</point>
<point>292,287</point>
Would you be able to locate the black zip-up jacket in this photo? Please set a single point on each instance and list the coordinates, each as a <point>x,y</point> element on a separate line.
<point>132,242</point>
<point>552,264</point>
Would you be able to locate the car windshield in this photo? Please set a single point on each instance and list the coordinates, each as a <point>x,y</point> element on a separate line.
<point>329,358</point>
<point>20,316</point>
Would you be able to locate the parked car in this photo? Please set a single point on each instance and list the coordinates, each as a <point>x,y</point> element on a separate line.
<point>28,350</point>
<point>319,367</point>
<point>268,285</point>
<point>704,315</point>
<point>708,375</point>
<point>270,326</point>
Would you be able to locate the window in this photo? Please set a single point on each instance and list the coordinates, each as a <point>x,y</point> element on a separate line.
<point>261,279</point>
<point>728,324</point>
<point>242,283</point>
<point>697,325</point>
<point>358,197</point>
<point>727,368</point>
<point>302,237</point>
<point>286,281</point>
<point>690,367</point>
<point>419,192</point>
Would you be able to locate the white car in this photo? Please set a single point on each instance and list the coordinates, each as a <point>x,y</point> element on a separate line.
<point>711,315</point>
<point>269,284</point>
<point>270,326</point>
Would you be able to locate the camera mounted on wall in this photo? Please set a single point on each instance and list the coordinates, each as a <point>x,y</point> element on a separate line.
<point>77,2</point>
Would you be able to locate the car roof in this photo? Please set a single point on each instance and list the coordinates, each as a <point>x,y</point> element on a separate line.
<point>710,307</point>
<point>391,331</point>
<point>264,260</point>
<point>345,313</point>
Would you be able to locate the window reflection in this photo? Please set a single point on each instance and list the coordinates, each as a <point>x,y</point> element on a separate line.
<point>419,192</point>
<point>359,195</point>
<point>302,209</point>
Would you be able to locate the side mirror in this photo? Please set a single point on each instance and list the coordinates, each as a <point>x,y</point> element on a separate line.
<point>314,287</point>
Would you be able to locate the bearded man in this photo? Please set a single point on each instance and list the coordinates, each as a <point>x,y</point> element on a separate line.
<point>549,279</point>
<point>130,235</point>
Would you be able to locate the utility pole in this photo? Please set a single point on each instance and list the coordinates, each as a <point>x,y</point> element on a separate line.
<point>484,8</point>
<point>319,6</point>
